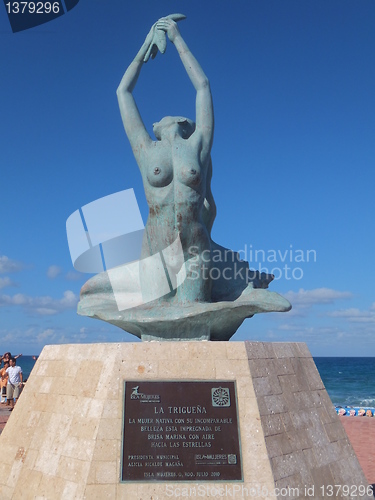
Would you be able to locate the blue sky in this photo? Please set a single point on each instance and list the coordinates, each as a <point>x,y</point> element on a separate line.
<point>293,156</point>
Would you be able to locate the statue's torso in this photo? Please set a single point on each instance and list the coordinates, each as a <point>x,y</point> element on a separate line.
<point>174,179</point>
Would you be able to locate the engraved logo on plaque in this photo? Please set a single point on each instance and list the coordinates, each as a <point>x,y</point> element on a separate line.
<point>144,398</point>
<point>220,397</point>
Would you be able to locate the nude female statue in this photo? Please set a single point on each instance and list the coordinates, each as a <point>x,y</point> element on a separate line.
<point>176,172</point>
<point>185,286</point>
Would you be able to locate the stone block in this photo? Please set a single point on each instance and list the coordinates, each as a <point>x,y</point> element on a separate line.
<point>282,350</point>
<point>289,383</point>
<point>335,431</point>
<point>272,424</point>
<point>235,350</point>
<point>262,386</point>
<point>259,367</point>
<point>299,440</point>
<point>303,400</point>
<point>291,487</point>
<point>84,428</point>
<point>81,449</point>
<point>52,487</point>
<point>299,373</point>
<point>105,472</point>
<point>268,347</point>
<point>303,349</point>
<point>255,350</point>
<point>326,453</point>
<point>244,389</point>
<point>106,449</point>
<point>312,375</point>
<point>275,383</point>
<point>321,477</point>
<point>286,465</point>
<point>278,444</point>
<point>310,460</point>
<point>72,469</point>
<point>232,369</point>
<point>296,353</point>
<point>109,428</point>
<point>189,368</point>
<point>348,471</point>
<point>100,491</point>
<point>275,404</point>
<point>287,422</point>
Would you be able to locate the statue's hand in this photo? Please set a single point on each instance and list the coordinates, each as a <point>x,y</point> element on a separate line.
<point>156,39</point>
<point>150,36</point>
<point>168,26</point>
<point>148,46</point>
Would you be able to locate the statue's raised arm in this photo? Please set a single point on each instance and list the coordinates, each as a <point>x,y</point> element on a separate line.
<point>134,126</point>
<point>204,106</point>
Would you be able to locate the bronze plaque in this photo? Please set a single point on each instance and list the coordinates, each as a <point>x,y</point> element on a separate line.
<point>181,431</point>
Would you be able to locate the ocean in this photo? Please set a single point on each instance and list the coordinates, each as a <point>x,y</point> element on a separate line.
<point>349,381</point>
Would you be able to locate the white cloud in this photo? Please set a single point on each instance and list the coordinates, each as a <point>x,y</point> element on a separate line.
<point>345,313</point>
<point>8,265</point>
<point>74,276</point>
<point>303,331</point>
<point>46,334</point>
<point>354,315</point>
<point>31,338</point>
<point>43,306</point>
<point>53,271</point>
<point>308,298</point>
<point>4,282</point>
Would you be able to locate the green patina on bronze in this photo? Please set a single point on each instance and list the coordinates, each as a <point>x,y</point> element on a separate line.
<point>215,295</point>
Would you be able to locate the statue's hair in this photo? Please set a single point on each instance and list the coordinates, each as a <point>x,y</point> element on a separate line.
<point>178,119</point>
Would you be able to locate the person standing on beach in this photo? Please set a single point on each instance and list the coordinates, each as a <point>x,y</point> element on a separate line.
<point>6,357</point>
<point>4,381</point>
<point>15,380</point>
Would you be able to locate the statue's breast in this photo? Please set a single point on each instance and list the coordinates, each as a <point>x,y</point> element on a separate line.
<point>159,175</point>
<point>186,165</point>
<point>189,174</point>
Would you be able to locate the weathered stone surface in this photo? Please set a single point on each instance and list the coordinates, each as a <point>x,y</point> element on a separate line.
<point>305,440</point>
<point>59,445</point>
<point>71,450</point>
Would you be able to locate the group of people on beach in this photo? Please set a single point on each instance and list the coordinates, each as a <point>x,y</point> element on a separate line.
<point>11,379</point>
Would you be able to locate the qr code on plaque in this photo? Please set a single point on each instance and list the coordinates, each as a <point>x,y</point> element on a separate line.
<point>232,459</point>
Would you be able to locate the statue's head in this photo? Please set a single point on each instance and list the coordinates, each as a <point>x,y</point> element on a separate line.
<point>183,126</point>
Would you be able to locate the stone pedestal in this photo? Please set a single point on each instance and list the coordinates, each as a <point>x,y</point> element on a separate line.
<point>63,440</point>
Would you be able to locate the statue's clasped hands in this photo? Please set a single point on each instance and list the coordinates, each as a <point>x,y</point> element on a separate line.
<point>156,39</point>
